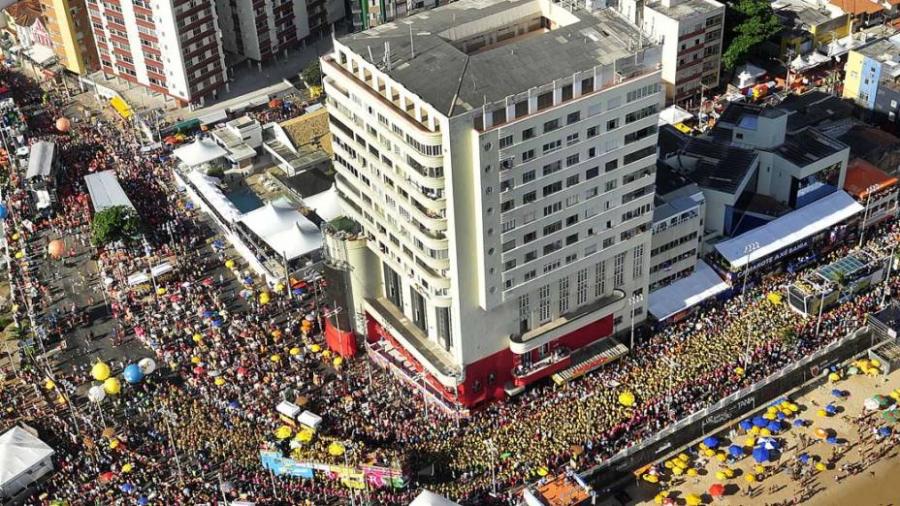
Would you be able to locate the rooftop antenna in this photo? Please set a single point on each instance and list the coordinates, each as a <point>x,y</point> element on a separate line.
<point>412,46</point>
<point>371,58</point>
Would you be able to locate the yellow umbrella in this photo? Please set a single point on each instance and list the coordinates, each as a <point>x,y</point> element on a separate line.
<point>295,351</point>
<point>651,478</point>
<point>750,478</point>
<point>304,436</point>
<point>20,255</point>
<point>229,263</point>
<point>219,381</point>
<point>833,377</point>
<point>113,444</point>
<point>750,441</point>
<point>49,384</point>
<point>275,358</point>
<point>691,472</point>
<point>315,348</point>
<point>729,473</point>
<point>197,338</point>
<point>264,298</point>
<point>693,500</point>
<point>127,468</point>
<point>112,386</point>
<point>100,371</point>
<point>683,457</point>
<point>822,413</point>
<point>668,464</point>
<point>626,399</point>
<point>658,498</point>
<point>196,360</point>
<point>279,287</point>
<point>739,371</point>
<point>677,471</point>
<point>542,471</point>
<point>160,291</point>
<point>283,432</point>
<point>721,457</point>
<point>820,466</point>
<point>336,449</point>
<point>720,475</point>
<point>338,361</point>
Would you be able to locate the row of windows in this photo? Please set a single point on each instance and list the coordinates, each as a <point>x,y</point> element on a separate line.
<point>674,243</point>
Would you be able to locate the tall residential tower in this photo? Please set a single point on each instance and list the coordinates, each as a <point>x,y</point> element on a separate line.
<point>500,157</point>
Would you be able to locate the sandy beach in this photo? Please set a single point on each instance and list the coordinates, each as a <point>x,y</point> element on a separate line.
<point>876,460</point>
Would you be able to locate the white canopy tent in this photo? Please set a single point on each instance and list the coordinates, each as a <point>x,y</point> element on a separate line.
<point>747,75</point>
<point>428,498</point>
<point>24,458</point>
<point>284,229</point>
<point>687,292</point>
<point>199,152</point>
<point>673,115</point>
<point>805,62</point>
<point>40,160</point>
<point>106,191</point>
<point>325,204</point>
<point>209,189</point>
<point>788,229</point>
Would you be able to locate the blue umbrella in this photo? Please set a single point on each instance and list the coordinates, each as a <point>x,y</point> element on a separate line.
<point>234,405</point>
<point>831,409</point>
<point>736,451</point>
<point>4,211</point>
<point>189,205</point>
<point>804,458</point>
<point>780,415</point>
<point>133,374</point>
<point>799,422</point>
<point>837,393</point>
<point>760,454</point>
<point>127,488</point>
<point>884,432</point>
<point>208,313</point>
<point>711,442</point>
<point>248,280</point>
<point>143,501</point>
<point>832,440</point>
<point>746,424</point>
<point>760,422</point>
<point>217,323</point>
<point>774,426</point>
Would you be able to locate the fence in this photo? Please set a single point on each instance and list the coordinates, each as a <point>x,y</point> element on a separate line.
<point>709,419</point>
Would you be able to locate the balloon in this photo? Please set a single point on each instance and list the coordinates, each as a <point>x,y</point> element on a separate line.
<point>133,374</point>
<point>229,263</point>
<point>147,365</point>
<point>160,291</point>
<point>112,386</point>
<point>264,298</point>
<point>100,371</point>
<point>626,399</point>
<point>15,237</point>
<point>96,394</point>
<point>56,248</point>
<point>63,124</point>
<point>113,443</point>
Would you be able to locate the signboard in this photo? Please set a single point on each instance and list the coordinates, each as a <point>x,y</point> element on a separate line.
<point>357,478</point>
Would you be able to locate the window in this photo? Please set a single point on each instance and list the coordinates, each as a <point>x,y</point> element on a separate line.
<point>509,205</point>
<point>551,125</point>
<point>637,155</point>
<point>581,281</point>
<point>528,176</point>
<point>639,114</point>
<point>619,270</point>
<point>506,185</point>
<point>587,85</point>
<point>610,185</point>
<point>572,159</point>
<point>592,132</point>
<point>506,142</point>
<point>571,220</point>
<point>530,256</point>
<point>572,180</point>
<point>551,168</point>
<point>509,264</point>
<point>530,236</point>
<point>529,197</point>
<point>528,156</point>
<point>553,227</point>
<point>552,266</point>
<point>600,279</point>
<point>571,139</point>
<point>573,117</point>
<point>571,239</point>
<point>523,313</point>
<point>550,147</point>
<point>637,266</point>
<point>552,208</point>
<point>528,133</point>
<point>612,124</point>
<point>509,225</point>
<point>640,134</point>
<point>553,246</point>
<point>552,188</point>
<point>563,295</point>
<point>642,92</point>
<point>544,303</point>
<point>592,173</point>
<point>530,275</point>
<point>545,100</point>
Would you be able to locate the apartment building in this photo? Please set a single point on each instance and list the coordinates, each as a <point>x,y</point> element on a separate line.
<point>69,29</point>
<point>260,29</point>
<point>678,218</point>
<point>367,14</point>
<point>690,32</point>
<point>169,46</point>
<point>507,205</point>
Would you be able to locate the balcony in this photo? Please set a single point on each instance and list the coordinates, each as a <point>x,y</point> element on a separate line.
<point>560,359</point>
<point>413,340</point>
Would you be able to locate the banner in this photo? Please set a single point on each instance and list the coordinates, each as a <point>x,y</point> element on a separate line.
<point>342,342</point>
<point>351,477</point>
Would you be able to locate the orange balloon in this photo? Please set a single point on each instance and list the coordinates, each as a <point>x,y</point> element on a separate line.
<point>63,124</point>
<point>56,248</point>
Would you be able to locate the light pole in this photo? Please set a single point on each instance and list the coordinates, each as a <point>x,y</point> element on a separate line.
<point>748,249</point>
<point>635,299</point>
<point>862,226</point>
<point>887,279</point>
<point>493,449</point>
<point>168,415</point>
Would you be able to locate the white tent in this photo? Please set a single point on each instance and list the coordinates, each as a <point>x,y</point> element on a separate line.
<point>24,458</point>
<point>748,74</point>
<point>40,160</point>
<point>687,292</point>
<point>325,204</point>
<point>673,115</point>
<point>106,191</point>
<point>284,229</point>
<point>199,152</point>
<point>427,498</point>
<point>208,188</point>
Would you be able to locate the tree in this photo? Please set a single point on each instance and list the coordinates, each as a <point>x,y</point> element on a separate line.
<point>753,22</point>
<point>312,74</point>
<point>113,224</point>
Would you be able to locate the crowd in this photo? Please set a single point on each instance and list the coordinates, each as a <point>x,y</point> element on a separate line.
<point>193,430</point>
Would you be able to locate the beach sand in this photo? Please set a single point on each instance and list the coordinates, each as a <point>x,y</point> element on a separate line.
<point>877,485</point>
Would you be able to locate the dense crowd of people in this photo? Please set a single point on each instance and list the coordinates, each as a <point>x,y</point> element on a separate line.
<point>192,431</point>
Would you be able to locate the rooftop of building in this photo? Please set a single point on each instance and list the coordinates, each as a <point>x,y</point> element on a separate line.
<point>808,146</point>
<point>856,7</point>
<point>670,141</point>
<point>806,13</point>
<point>441,55</point>
<point>862,176</point>
<point>676,9</point>
<point>668,181</point>
<point>814,108</point>
<point>738,112</point>
<point>310,131</point>
<point>719,166</point>
<point>874,145</point>
<point>881,50</point>
<point>25,12</point>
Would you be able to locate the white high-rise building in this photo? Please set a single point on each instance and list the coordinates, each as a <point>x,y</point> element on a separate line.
<point>169,46</point>
<point>500,157</point>
<point>690,32</point>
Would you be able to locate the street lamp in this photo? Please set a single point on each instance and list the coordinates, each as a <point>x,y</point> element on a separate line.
<point>635,299</point>
<point>862,226</point>
<point>748,249</point>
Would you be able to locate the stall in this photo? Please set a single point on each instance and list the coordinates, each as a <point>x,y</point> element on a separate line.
<point>24,459</point>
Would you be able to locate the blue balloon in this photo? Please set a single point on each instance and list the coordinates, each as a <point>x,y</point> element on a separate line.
<point>133,374</point>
